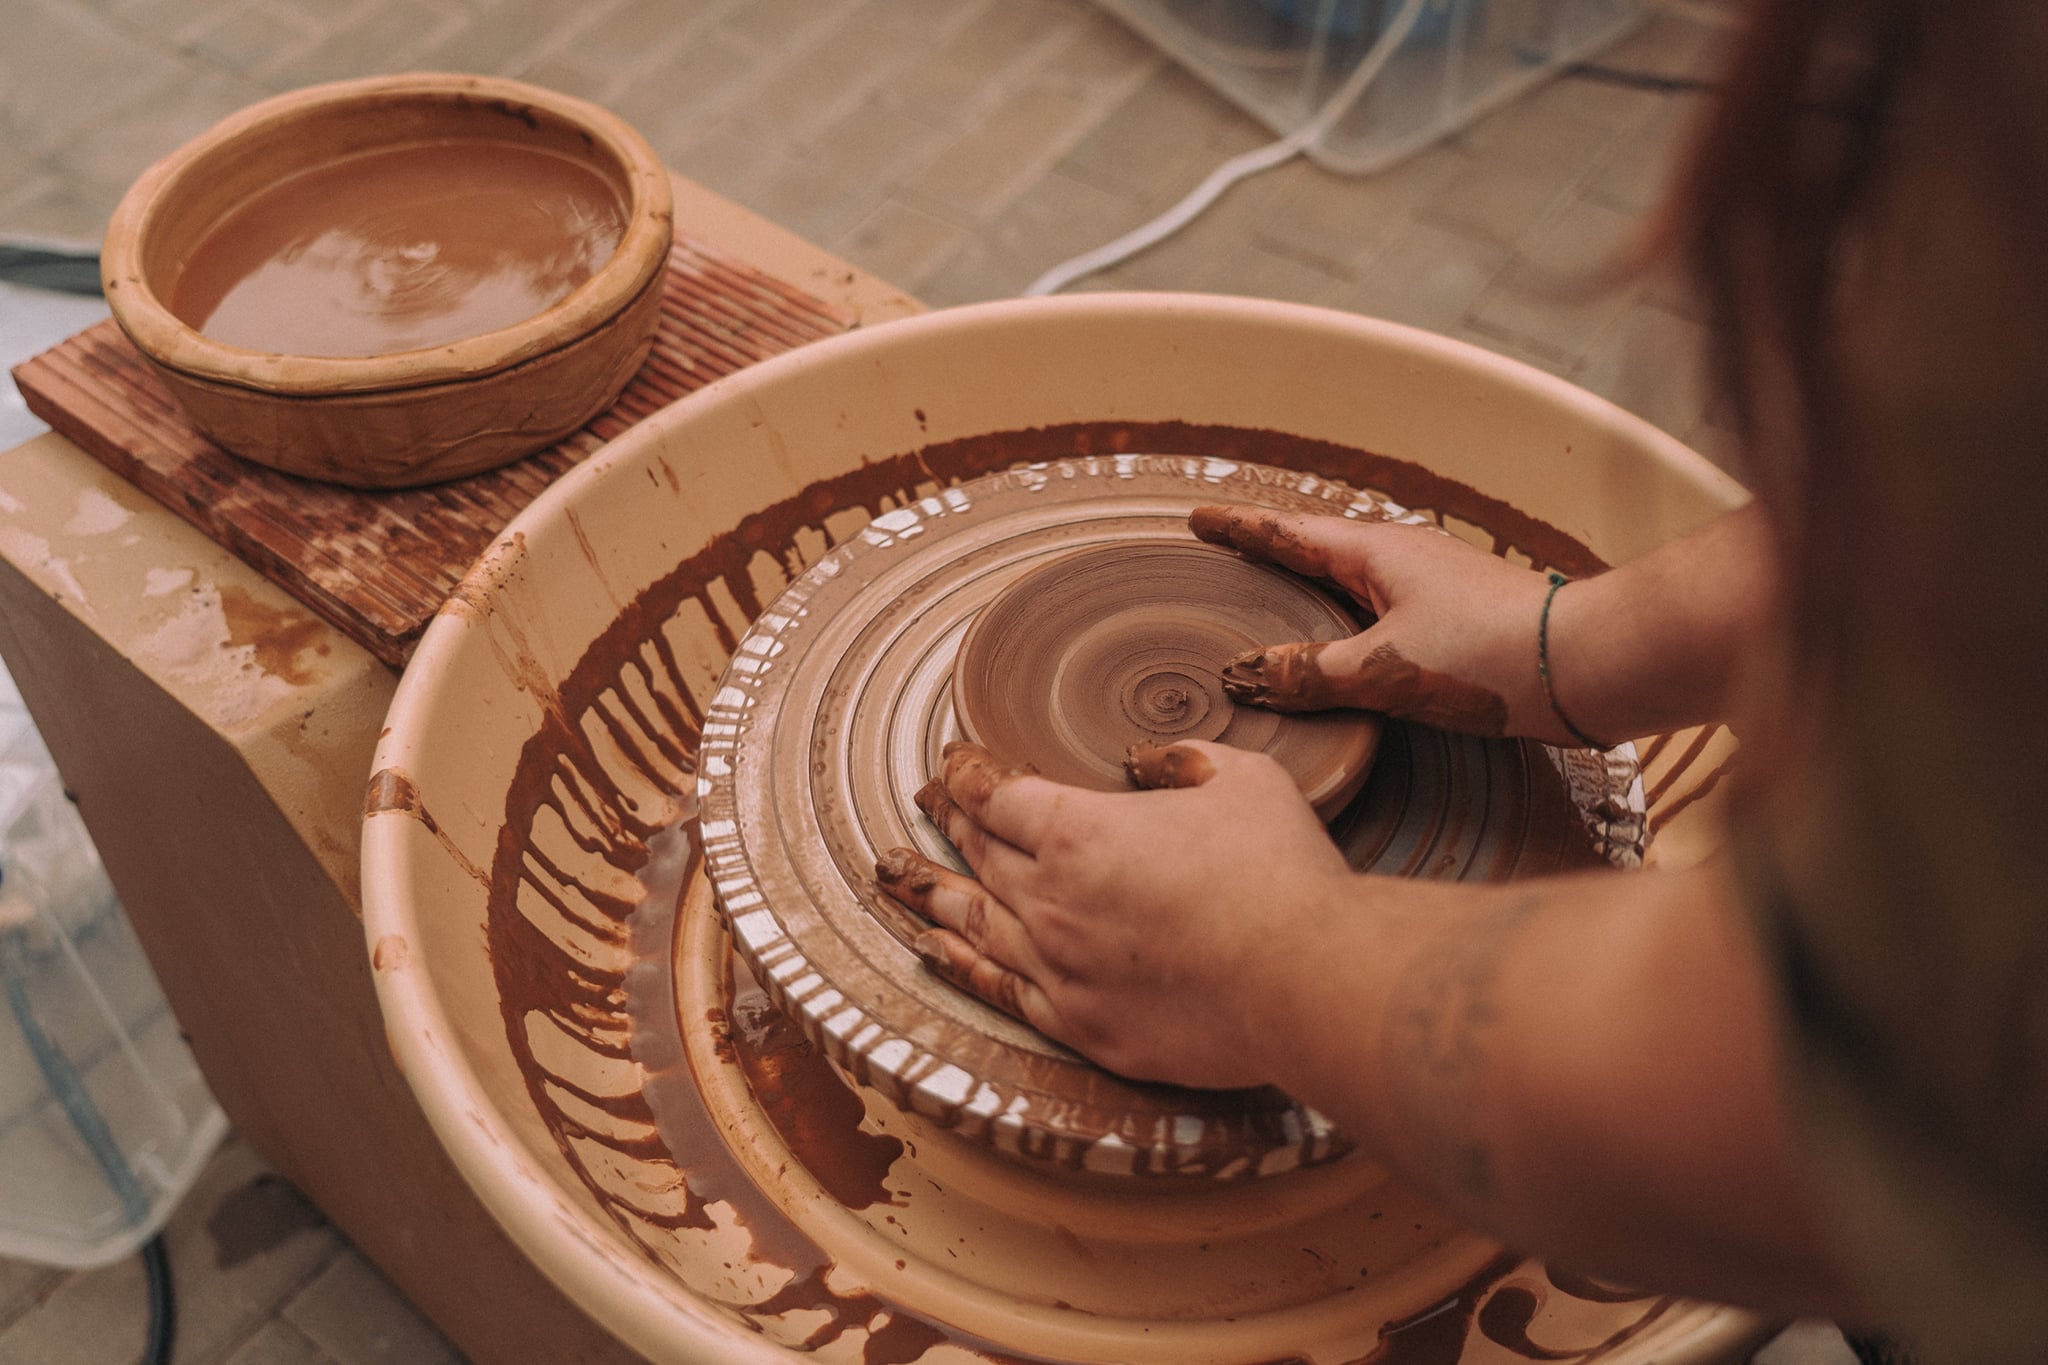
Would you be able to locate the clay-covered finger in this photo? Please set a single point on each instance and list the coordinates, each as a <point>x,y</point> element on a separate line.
<point>1291,540</point>
<point>942,810</point>
<point>955,960</point>
<point>1011,803</point>
<point>1168,765</point>
<point>989,856</point>
<point>1291,677</point>
<point>956,902</point>
<point>1368,672</point>
<point>1282,538</point>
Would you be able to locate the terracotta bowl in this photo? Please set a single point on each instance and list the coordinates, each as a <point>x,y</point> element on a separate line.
<point>410,416</point>
<point>558,985</point>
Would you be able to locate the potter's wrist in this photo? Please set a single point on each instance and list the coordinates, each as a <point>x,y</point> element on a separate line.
<point>1548,657</point>
<point>1325,1004</point>
<point>1307,952</point>
<point>1514,658</point>
<point>1569,672</point>
<point>1378,974</point>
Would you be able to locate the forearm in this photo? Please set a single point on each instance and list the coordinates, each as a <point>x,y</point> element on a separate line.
<point>1582,1066</point>
<point>1655,644</point>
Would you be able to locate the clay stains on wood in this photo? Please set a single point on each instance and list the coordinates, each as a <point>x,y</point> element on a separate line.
<point>377,565</point>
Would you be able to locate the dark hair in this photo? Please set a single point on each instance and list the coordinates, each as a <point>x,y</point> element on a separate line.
<point>1780,176</point>
<point>1864,212</point>
<point>1776,177</point>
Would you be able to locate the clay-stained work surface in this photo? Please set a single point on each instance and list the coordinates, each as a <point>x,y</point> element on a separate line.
<point>375,564</point>
<point>841,698</point>
<point>714,1133</point>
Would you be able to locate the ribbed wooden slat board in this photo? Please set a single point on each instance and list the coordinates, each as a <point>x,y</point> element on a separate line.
<point>378,565</point>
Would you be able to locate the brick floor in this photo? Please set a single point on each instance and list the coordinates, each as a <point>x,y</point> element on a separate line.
<point>956,147</point>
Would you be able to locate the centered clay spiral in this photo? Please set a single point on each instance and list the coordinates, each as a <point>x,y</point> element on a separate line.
<point>1125,643</point>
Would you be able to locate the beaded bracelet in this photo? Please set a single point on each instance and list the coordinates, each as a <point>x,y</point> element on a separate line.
<point>1557,580</point>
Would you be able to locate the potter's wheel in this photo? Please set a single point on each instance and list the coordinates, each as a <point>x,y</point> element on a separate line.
<point>835,710</point>
<point>552,717</point>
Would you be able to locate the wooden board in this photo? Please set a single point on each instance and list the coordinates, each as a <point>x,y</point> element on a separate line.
<point>378,565</point>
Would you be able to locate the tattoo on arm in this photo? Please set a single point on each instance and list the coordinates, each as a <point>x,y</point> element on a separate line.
<point>1439,1047</point>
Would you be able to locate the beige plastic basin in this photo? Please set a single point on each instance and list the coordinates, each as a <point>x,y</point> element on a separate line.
<point>545,726</point>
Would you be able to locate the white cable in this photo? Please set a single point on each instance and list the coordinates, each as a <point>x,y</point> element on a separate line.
<point>1169,222</point>
<point>1237,168</point>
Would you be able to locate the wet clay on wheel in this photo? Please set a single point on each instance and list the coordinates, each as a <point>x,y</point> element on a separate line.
<point>1125,643</point>
<point>840,701</point>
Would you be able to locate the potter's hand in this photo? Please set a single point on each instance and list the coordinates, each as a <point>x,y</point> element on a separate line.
<point>1454,645</point>
<point>1143,929</point>
<point>1517,1051</point>
<point>1654,645</point>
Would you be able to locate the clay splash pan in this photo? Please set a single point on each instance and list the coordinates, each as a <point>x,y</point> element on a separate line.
<point>695,1172</point>
<point>1058,612</point>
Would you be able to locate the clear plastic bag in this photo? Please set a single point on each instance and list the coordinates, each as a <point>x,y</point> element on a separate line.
<point>1283,61</point>
<point>105,1120</point>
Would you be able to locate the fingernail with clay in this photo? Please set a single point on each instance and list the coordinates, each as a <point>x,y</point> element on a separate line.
<point>944,956</point>
<point>1213,524</point>
<point>971,773</point>
<point>931,796</point>
<point>904,874</point>
<point>1166,765</point>
<point>1282,677</point>
<point>1138,761</point>
<point>1244,677</point>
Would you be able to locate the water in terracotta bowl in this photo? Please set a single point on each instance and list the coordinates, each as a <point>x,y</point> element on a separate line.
<point>681,1052</point>
<point>400,248</point>
<point>396,280</point>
